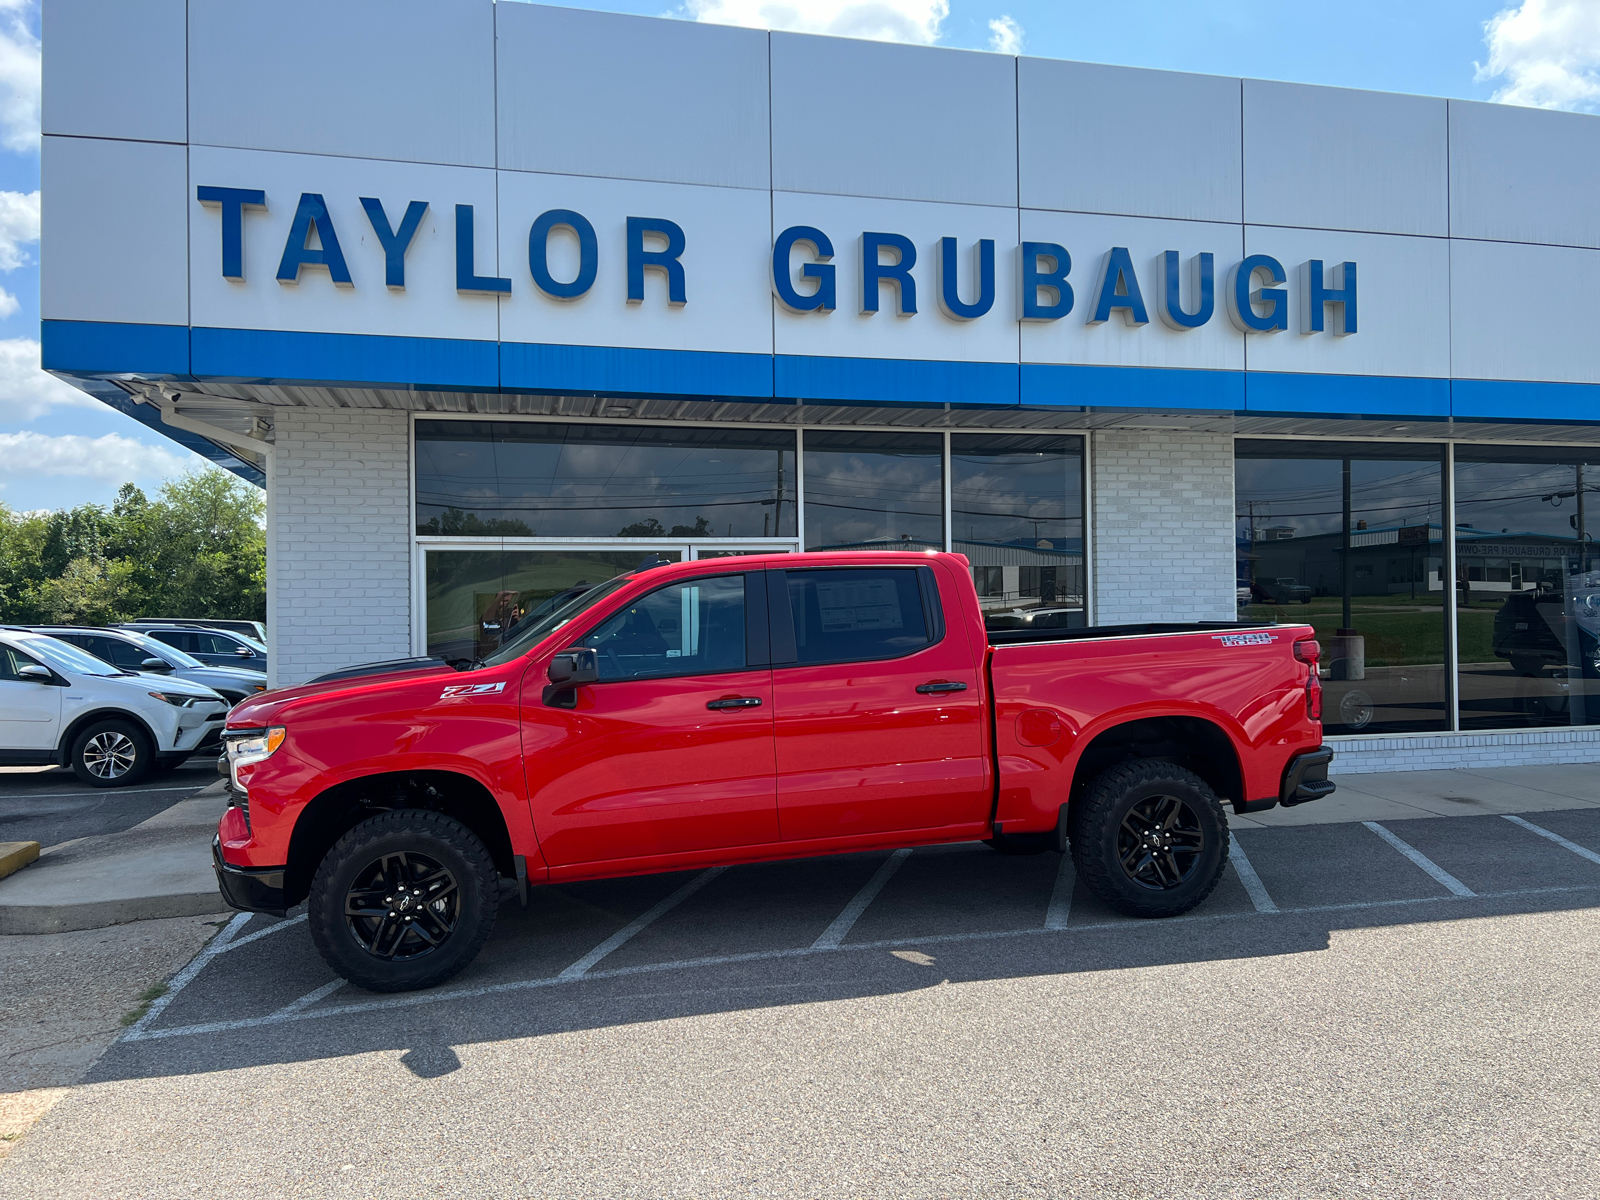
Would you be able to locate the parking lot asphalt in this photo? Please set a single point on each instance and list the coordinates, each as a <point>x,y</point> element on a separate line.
<point>1390,1008</point>
<point>53,806</point>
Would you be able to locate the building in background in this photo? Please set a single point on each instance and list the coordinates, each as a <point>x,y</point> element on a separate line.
<point>499,300</point>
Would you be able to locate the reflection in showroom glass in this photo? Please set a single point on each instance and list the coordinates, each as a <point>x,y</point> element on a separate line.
<point>1348,537</point>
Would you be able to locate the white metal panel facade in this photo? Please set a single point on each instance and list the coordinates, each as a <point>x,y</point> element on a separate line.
<point>1103,139</point>
<point>1550,338</point>
<point>94,270</point>
<point>585,93</point>
<point>89,90</point>
<point>1524,175</point>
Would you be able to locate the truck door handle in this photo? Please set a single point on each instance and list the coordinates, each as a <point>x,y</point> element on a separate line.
<point>940,685</point>
<point>735,702</point>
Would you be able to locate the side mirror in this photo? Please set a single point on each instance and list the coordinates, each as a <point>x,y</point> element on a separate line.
<point>155,664</point>
<point>568,671</point>
<point>34,673</point>
<point>245,652</point>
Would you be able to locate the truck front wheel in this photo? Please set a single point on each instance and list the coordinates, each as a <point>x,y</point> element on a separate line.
<point>404,900</point>
<point>1151,839</point>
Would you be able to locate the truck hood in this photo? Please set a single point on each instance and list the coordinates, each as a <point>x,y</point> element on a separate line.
<point>263,710</point>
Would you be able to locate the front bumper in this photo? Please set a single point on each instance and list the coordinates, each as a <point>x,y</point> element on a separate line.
<point>249,889</point>
<point>1307,778</point>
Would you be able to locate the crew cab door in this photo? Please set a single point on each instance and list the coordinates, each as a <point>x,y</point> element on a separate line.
<point>671,751</point>
<point>880,721</point>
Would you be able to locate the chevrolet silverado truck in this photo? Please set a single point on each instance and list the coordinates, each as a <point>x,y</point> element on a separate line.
<point>750,709</point>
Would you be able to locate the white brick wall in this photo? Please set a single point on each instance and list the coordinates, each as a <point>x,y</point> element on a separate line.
<point>1434,752</point>
<point>339,586</point>
<point>1163,526</point>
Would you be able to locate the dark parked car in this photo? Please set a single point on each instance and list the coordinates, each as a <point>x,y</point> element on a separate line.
<point>131,650</point>
<point>254,630</point>
<point>1533,630</point>
<point>215,647</point>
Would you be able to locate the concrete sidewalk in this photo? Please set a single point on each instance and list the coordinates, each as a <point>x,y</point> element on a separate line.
<point>1398,795</point>
<point>159,868</point>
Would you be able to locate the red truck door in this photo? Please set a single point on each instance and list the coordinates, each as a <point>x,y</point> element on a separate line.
<point>672,750</point>
<point>879,714</point>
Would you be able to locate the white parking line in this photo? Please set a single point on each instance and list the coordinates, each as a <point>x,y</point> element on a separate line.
<point>1055,917</point>
<point>581,968</point>
<point>1450,882</point>
<point>261,933</point>
<point>109,793</point>
<point>834,933</point>
<point>1580,851</point>
<point>184,977</point>
<point>1259,895</point>
<point>310,998</point>
<point>521,985</point>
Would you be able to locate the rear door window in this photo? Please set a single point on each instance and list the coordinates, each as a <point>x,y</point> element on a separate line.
<point>861,613</point>
<point>182,639</point>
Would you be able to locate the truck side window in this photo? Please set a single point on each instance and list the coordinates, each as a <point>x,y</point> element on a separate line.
<point>696,627</point>
<point>855,614</point>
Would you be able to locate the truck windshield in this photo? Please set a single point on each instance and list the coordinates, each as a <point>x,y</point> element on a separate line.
<point>541,626</point>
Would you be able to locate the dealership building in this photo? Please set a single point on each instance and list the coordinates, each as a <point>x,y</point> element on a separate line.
<point>497,299</point>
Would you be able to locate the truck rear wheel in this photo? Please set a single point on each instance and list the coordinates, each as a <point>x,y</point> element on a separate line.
<point>405,900</point>
<point>1151,839</point>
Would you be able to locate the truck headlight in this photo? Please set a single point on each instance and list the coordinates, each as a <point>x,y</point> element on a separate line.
<point>249,746</point>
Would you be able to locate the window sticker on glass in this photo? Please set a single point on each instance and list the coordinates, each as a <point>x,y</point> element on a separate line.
<point>853,605</point>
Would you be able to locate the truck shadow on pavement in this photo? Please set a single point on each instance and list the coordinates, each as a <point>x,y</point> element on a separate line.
<point>655,948</point>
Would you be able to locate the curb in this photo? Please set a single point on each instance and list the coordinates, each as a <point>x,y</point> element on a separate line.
<point>98,914</point>
<point>16,855</point>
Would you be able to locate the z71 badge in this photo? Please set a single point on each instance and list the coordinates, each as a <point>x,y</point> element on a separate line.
<point>1245,639</point>
<point>472,689</point>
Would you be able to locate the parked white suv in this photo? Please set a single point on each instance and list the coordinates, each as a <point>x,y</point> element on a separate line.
<point>62,705</point>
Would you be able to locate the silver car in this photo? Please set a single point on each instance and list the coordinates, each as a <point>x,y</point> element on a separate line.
<point>129,650</point>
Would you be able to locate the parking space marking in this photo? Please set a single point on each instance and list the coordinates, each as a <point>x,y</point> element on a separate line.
<point>1259,896</point>
<point>581,968</point>
<point>1580,851</point>
<point>261,933</point>
<point>1055,917</point>
<point>835,933</point>
<point>310,998</point>
<point>1440,875</point>
<point>520,985</point>
<point>108,793</point>
<point>183,978</point>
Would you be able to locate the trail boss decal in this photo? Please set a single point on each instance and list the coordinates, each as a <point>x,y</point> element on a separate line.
<point>472,689</point>
<point>1245,639</point>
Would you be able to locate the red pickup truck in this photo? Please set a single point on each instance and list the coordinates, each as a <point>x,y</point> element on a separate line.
<point>749,709</point>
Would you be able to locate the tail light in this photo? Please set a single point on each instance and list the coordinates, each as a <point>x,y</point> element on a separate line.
<point>1308,651</point>
<point>1314,698</point>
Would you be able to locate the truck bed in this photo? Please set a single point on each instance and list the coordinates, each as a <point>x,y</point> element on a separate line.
<point>1018,637</point>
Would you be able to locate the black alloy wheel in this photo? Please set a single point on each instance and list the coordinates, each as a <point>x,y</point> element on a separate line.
<point>402,906</point>
<point>404,900</point>
<point>1149,837</point>
<point>1160,843</point>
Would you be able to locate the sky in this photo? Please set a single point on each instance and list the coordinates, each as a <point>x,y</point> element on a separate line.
<point>59,448</point>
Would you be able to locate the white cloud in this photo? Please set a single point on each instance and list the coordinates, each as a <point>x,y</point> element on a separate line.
<point>19,78</point>
<point>19,227</point>
<point>110,458</point>
<point>914,21</point>
<point>1546,53</point>
<point>26,391</point>
<point>8,304</point>
<point>1005,36</point>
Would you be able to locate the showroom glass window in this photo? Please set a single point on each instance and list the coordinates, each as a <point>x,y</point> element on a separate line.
<point>1527,587</point>
<point>1348,538</point>
<point>874,491</point>
<point>1016,512</point>
<point>532,479</point>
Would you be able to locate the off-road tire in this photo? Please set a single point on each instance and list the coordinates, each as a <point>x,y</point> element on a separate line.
<point>432,837</point>
<point>98,747</point>
<point>1109,801</point>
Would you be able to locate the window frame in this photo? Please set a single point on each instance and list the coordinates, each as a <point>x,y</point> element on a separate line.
<point>780,613</point>
<point>755,636</point>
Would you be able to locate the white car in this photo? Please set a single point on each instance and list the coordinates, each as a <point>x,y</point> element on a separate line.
<point>62,705</point>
